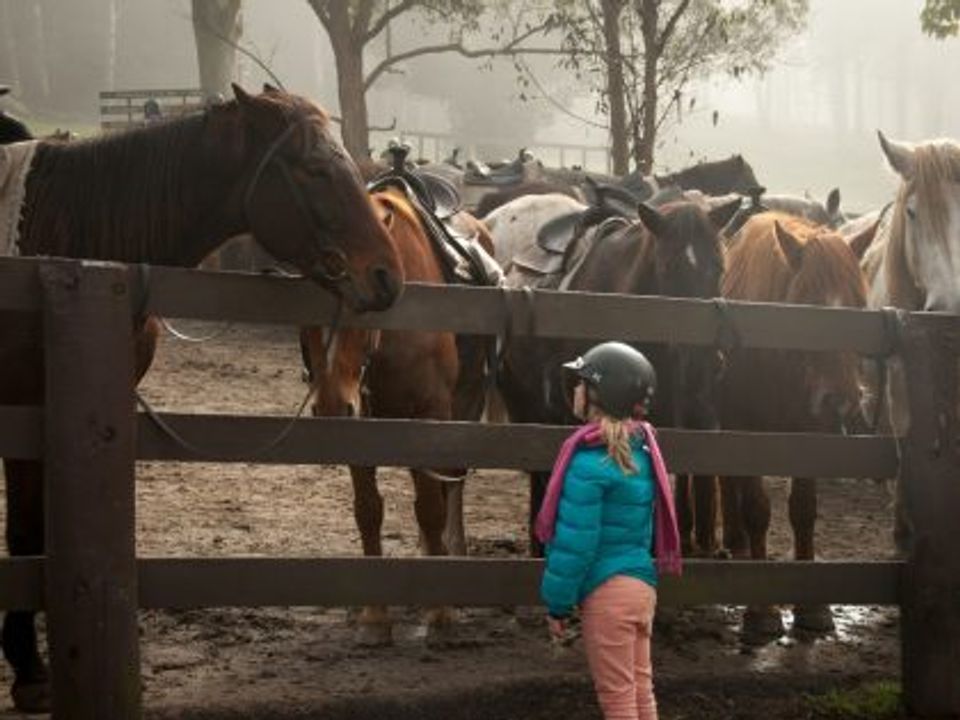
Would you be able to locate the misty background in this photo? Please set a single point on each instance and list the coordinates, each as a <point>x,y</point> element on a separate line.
<point>808,125</point>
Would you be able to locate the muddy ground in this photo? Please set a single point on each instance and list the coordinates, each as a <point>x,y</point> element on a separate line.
<point>302,663</point>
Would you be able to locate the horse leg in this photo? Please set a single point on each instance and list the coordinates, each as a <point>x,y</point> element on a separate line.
<point>373,625</point>
<point>803,516</point>
<point>31,684</point>
<point>538,489</point>
<point>761,623</point>
<point>430,511</point>
<point>454,536</point>
<point>735,540</point>
<point>705,514</point>
<point>684,513</point>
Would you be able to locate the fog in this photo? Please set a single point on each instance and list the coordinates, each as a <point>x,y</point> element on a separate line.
<point>808,125</point>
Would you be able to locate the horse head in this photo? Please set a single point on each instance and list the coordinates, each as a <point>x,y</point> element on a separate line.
<point>796,262</point>
<point>303,197</point>
<point>687,246</point>
<point>687,261</point>
<point>923,252</point>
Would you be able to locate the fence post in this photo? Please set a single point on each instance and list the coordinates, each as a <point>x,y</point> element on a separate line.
<point>91,572</point>
<point>930,473</point>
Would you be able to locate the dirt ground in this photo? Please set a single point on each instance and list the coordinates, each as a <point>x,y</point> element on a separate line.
<point>302,663</point>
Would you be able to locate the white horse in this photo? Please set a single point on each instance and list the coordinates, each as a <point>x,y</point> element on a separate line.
<point>913,262</point>
<point>514,226</point>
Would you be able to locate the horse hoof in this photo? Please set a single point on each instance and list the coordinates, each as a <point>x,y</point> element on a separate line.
<point>31,698</point>
<point>813,619</point>
<point>761,625</point>
<point>373,635</point>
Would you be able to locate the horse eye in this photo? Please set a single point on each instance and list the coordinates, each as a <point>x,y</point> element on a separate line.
<point>911,213</point>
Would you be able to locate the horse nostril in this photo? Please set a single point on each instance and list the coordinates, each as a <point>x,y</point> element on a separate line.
<point>385,286</point>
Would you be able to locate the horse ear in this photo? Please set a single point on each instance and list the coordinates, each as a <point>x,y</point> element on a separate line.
<point>899,155</point>
<point>721,215</point>
<point>268,88</point>
<point>790,246</point>
<point>861,242</point>
<point>833,202</point>
<point>243,97</point>
<point>652,219</point>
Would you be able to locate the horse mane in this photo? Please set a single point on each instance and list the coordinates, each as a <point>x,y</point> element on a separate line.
<point>120,196</point>
<point>757,269</point>
<point>935,163</point>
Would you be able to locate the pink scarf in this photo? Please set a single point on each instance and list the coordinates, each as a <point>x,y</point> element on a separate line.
<point>666,536</point>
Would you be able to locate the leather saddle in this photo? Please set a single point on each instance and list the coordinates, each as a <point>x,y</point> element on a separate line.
<point>436,200</point>
<point>511,173</point>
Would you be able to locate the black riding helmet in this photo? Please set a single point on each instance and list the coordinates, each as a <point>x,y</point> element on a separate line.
<point>622,380</point>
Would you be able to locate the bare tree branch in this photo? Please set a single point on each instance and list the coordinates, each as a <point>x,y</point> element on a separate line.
<point>556,103</point>
<point>510,49</point>
<point>671,25</point>
<point>381,22</point>
<point>361,20</point>
<point>321,10</point>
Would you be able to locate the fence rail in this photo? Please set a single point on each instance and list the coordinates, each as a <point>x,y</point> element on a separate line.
<point>241,297</point>
<point>191,582</point>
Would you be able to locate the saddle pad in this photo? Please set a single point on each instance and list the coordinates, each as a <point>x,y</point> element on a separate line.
<point>15,160</point>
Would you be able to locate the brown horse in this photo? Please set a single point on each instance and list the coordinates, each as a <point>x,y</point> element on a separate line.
<point>782,259</point>
<point>169,194</point>
<point>401,374</point>
<point>674,251</point>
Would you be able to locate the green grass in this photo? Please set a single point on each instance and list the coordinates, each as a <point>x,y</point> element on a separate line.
<point>872,701</point>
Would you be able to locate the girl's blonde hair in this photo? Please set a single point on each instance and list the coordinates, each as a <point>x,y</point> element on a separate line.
<point>616,436</point>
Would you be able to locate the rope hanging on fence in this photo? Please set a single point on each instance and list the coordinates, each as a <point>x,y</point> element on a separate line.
<point>271,444</point>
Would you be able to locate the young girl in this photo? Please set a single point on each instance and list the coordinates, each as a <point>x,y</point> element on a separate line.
<point>610,526</point>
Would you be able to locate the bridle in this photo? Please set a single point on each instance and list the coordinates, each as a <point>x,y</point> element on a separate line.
<point>324,271</point>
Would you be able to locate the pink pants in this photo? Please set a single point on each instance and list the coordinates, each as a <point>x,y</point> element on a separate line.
<point>617,623</point>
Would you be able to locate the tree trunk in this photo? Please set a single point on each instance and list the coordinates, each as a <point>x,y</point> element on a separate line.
<point>355,128</point>
<point>649,17</point>
<point>9,63</point>
<point>217,26</point>
<point>113,42</point>
<point>616,92</point>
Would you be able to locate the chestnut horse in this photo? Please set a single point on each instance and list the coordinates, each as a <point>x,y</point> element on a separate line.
<point>402,374</point>
<point>169,194</point>
<point>782,259</point>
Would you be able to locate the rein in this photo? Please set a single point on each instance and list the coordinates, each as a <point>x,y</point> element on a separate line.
<point>330,250</point>
<point>185,444</point>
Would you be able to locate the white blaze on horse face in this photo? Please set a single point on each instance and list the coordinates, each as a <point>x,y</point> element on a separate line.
<point>691,256</point>
<point>935,262</point>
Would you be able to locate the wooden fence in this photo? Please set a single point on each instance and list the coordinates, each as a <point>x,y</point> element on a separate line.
<point>121,109</point>
<point>91,583</point>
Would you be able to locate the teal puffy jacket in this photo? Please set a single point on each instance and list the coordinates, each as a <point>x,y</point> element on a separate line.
<point>604,528</point>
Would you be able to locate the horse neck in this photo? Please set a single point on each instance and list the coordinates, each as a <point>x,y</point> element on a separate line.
<point>622,263</point>
<point>109,199</point>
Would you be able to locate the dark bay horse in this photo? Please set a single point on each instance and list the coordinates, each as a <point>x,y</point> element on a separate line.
<point>169,194</point>
<point>717,177</point>
<point>401,374</point>
<point>782,259</point>
<point>674,251</point>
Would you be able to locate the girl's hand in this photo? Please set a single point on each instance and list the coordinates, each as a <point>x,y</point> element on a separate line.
<point>557,627</point>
